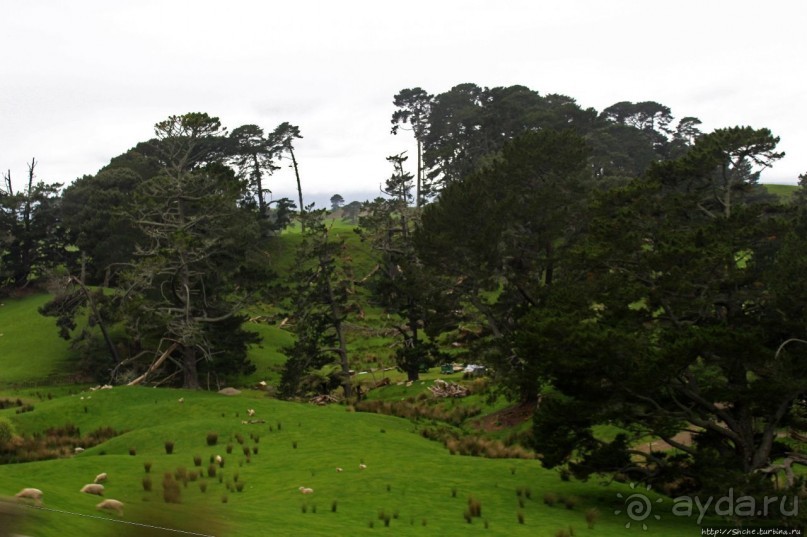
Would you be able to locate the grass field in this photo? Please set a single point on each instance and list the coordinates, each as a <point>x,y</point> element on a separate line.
<point>411,485</point>
<point>415,482</point>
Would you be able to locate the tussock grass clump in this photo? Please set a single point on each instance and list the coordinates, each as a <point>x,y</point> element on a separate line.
<point>169,447</point>
<point>229,448</point>
<point>570,502</point>
<point>197,460</point>
<point>52,443</point>
<point>474,507</point>
<point>25,408</point>
<point>203,486</point>
<point>132,451</point>
<point>147,483</point>
<point>484,447</point>
<point>8,403</point>
<point>520,517</point>
<point>550,499</point>
<point>172,492</point>
<point>212,439</point>
<point>211,470</point>
<point>147,466</point>
<point>592,516</point>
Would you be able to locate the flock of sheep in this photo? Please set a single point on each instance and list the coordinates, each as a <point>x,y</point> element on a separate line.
<point>96,487</point>
<point>116,506</point>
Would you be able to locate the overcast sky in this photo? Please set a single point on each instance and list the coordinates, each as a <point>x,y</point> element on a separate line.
<point>83,80</point>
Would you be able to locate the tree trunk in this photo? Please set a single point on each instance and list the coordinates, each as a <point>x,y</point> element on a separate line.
<point>259,185</point>
<point>189,372</point>
<point>299,186</point>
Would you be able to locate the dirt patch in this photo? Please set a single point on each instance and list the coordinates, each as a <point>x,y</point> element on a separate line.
<point>506,418</point>
<point>684,438</point>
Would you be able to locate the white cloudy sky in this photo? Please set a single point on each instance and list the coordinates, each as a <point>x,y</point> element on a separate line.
<point>82,81</point>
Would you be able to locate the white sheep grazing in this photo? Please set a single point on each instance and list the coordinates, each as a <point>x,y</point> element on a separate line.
<point>78,450</point>
<point>338,470</point>
<point>30,494</point>
<point>250,412</point>
<point>111,505</point>
<point>219,460</point>
<point>93,488</point>
<point>181,400</point>
<point>306,490</point>
<point>362,466</point>
<point>100,478</point>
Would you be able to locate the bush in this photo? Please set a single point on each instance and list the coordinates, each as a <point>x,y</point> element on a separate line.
<point>6,432</point>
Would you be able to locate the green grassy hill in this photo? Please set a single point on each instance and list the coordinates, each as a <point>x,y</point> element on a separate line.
<point>413,485</point>
<point>31,351</point>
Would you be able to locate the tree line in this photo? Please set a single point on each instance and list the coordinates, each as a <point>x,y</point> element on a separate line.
<point>614,268</point>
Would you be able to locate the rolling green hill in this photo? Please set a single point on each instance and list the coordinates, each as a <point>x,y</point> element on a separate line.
<point>413,485</point>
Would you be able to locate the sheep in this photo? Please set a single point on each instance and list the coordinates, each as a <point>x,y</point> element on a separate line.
<point>30,494</point>
<point>78,450</point>
<point>100,478</point>
<point>93,488</point>
<point>338,470</point>
<point>219,460</point>
<point>111,505</point>
<point>306,490</point>
<point>181,400</point>
<point>362,466</point>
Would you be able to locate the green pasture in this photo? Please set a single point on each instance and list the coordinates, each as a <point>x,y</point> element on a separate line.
<point>415,483</point>
<point>31,350</point>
